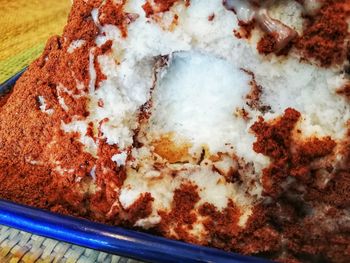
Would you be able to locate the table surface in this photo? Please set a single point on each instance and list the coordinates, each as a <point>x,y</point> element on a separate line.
<point>25,28</point>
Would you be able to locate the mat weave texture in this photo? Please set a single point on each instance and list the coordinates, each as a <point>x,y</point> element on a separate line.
<point>25,28</point>
<point>22,247</point>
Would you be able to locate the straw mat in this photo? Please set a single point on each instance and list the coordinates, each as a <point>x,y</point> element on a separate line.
<point>21,247</point>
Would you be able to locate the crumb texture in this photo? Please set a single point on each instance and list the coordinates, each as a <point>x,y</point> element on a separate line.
<point>219,123</point>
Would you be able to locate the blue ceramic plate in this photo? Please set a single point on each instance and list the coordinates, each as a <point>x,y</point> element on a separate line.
<point>101,237</point>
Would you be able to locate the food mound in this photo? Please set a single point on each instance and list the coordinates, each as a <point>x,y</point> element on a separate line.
<point>220,123</point>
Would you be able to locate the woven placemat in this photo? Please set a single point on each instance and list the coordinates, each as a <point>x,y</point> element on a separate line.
<point>25,28</point>
<point>21,247</point>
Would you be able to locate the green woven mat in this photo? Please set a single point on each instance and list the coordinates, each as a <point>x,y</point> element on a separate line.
<point>21,247</point>
<point>25,28</point>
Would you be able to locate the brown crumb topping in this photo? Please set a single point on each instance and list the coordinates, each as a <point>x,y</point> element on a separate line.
<point>275,141</point>
<point>245,30</point>
<point>180,219</point>
<point>345,91</point>
<point>113,14</point>
<point>222,226</point>
<point>254,96</point>
<point>324,39</point>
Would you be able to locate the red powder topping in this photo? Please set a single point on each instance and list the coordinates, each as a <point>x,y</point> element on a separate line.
<point>325,38</point>
<point>108,178</point>
<point>267,44</point>
<point>253,97</point>
<point>105,48</point>
<point>316,148</point>
<point>211,17</point>
<point>336,192</point>
<point>275,140</point>
<point>182,215</point>
<point>99,74</point>
<point>100,103</point>
<point>141,208</point>
<point>147,7</point>
<point>164,5</point>
<point>113,14</point>
<point>245,30</point>
<point>81,25</point>
<point>222,226</point>
<point>345,91</point>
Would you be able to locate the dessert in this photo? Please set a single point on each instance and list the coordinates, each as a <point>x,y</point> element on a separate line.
<point>220,123</point>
